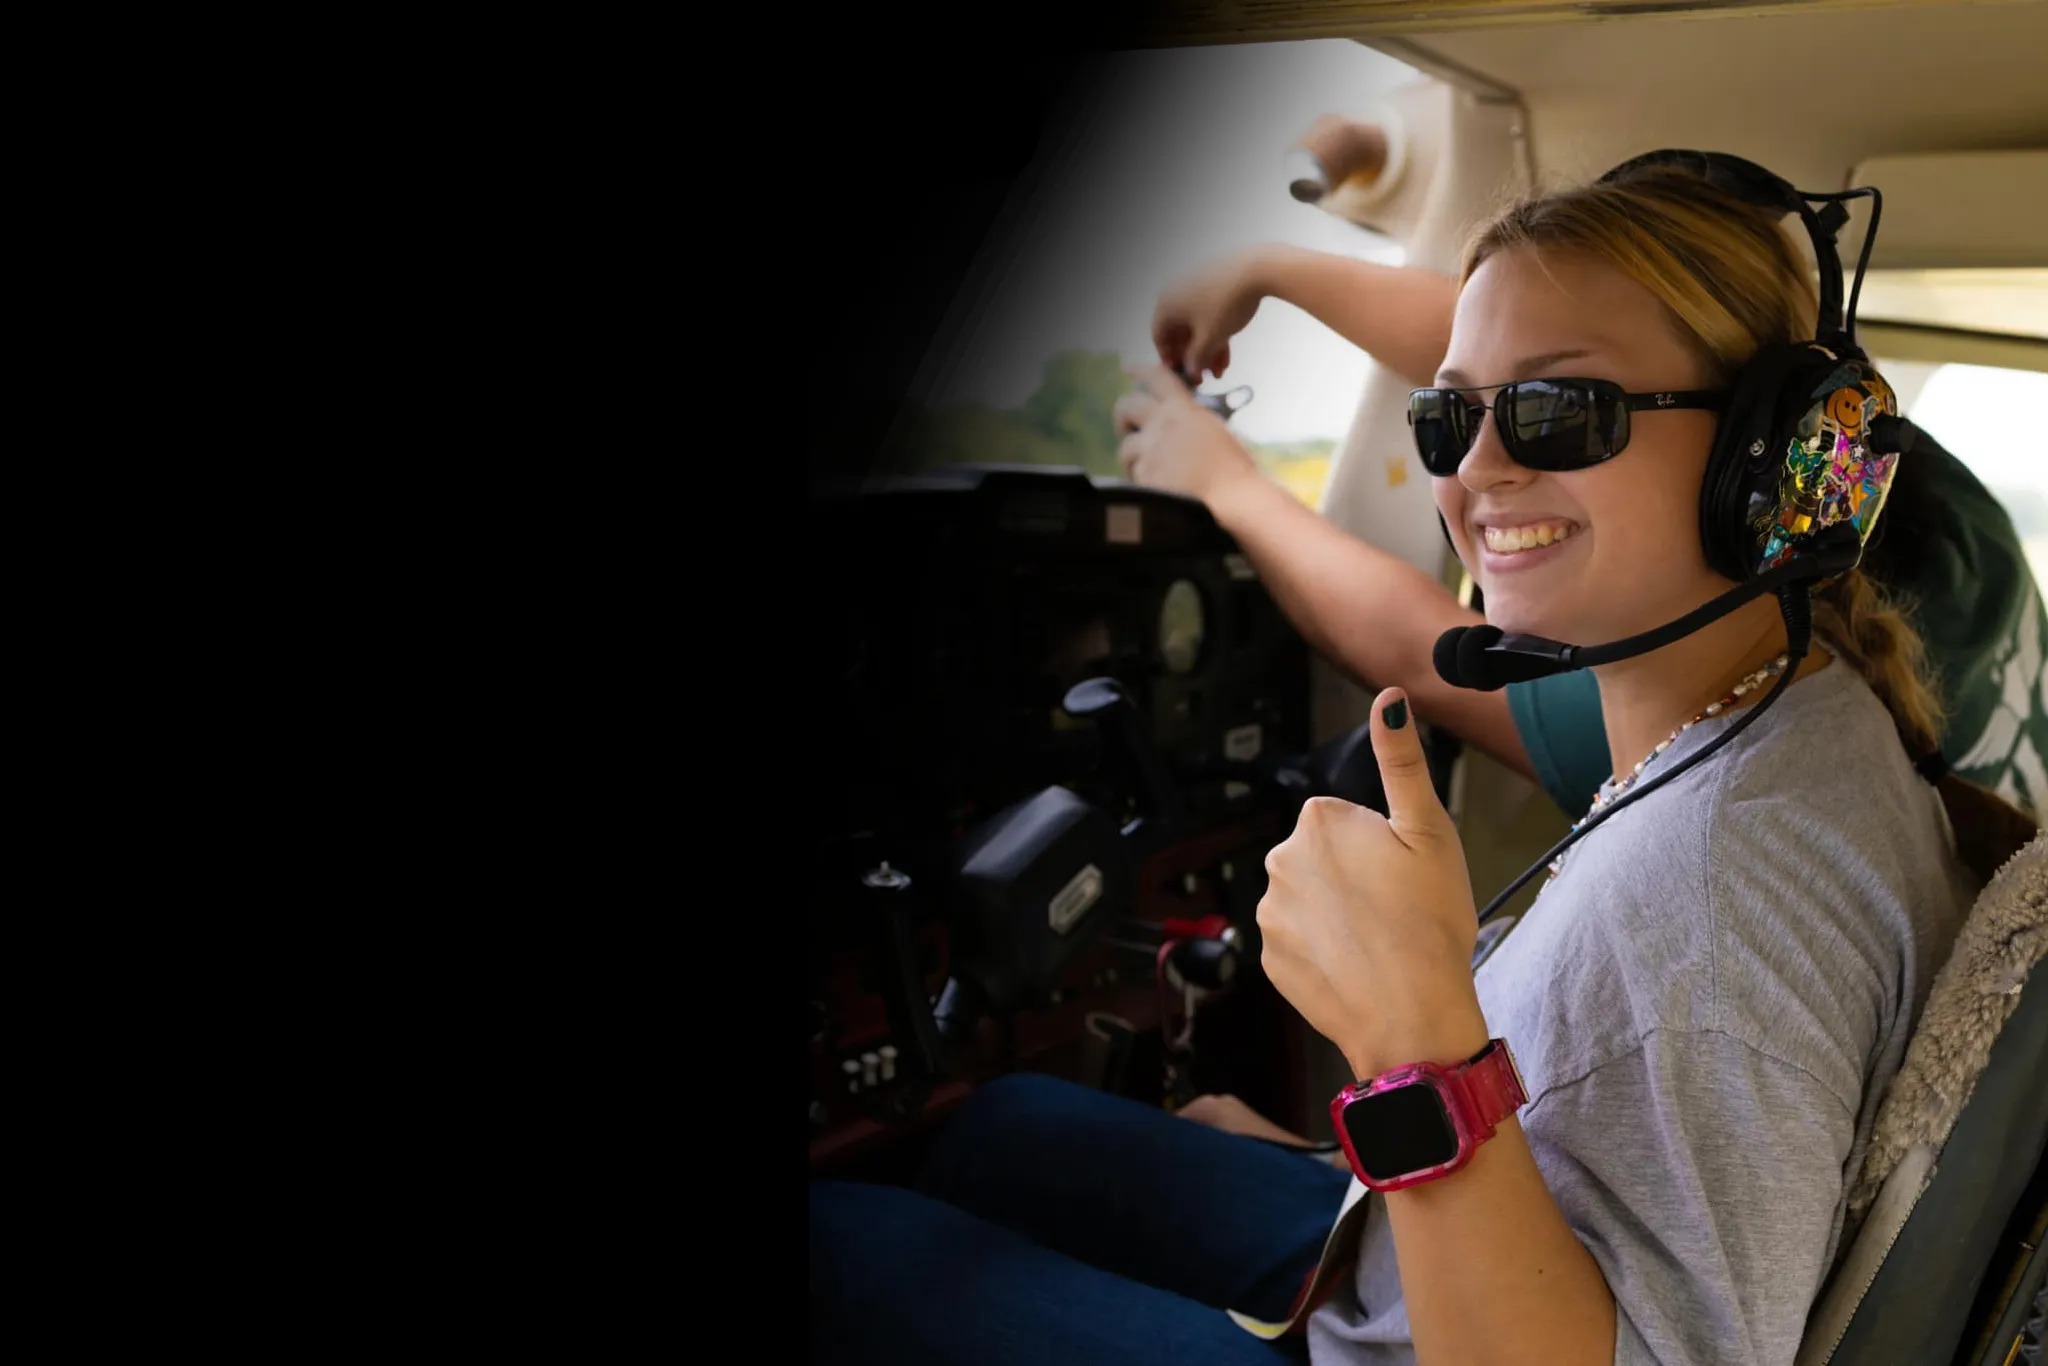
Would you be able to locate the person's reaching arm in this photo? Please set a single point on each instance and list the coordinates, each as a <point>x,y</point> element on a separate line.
<point>1372,614</point>
<point>1399,315</point>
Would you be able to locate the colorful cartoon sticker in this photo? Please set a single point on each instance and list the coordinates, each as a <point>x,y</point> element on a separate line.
<point>1830,473</point>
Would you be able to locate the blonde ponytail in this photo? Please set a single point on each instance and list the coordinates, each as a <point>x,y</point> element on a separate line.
<point>1867,630</point>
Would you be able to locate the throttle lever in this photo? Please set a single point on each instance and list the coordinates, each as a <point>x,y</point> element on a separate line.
<point>1129,752</point>
<point>909,1009</point>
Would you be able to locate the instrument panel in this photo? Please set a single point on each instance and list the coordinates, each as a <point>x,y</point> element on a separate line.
<point>964,604</point>
<point>959,607</point>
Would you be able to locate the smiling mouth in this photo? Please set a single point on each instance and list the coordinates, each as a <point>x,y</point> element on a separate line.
<point>1513,540</point>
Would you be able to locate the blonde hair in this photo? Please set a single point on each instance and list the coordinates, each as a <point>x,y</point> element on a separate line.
<point>1732,283</point>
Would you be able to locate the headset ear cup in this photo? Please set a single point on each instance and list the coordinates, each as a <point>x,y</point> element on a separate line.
<point>1778,378</point>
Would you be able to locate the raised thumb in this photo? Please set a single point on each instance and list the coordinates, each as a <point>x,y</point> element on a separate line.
<point>1412,805</point>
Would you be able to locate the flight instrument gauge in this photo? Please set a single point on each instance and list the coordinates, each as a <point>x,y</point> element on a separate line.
<point>1181,626</point>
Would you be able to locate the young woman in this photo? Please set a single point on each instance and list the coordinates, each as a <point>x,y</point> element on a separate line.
<point>1705,1003</point>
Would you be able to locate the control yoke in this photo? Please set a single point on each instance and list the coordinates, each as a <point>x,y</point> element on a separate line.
<point>1040,880</point>
<point>1134,764</point>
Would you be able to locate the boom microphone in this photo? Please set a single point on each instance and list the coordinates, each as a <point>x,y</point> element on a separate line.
<point>1485,658</point>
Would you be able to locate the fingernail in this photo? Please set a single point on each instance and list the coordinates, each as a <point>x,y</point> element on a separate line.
<point>1395,714</point>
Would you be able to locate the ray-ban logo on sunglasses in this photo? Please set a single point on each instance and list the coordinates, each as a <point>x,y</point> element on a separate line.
<point>1665,400</point>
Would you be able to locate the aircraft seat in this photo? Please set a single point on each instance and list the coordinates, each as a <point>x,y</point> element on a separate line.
<point>1942,1255</point>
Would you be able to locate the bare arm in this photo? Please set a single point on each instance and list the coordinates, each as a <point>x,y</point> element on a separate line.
<point>1399,315</point>
<point>1492,1272</point>
<point>1373,614</point>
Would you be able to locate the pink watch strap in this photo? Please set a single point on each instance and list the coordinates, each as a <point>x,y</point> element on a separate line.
<point>1493,1085</point>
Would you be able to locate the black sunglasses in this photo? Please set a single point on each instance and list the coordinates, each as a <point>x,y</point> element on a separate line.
<point>1545,424</point>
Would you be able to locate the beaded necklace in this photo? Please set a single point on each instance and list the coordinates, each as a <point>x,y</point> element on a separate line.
<point>1605,798</point>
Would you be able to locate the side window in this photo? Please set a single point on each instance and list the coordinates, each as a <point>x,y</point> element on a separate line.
<point>1998,713</point>
<point>1981,414</point>
<point>1178,160</point>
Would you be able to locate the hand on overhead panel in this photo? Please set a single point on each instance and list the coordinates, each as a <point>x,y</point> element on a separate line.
<point>1199,313</point>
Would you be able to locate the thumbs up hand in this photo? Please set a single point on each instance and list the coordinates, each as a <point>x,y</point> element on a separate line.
<point>1368,921</point>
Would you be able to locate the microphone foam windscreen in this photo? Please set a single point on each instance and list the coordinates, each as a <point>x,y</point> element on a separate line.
<point>1457,656</point>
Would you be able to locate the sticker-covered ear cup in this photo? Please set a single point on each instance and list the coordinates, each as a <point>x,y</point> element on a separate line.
<point>1749,449</point>
<point>1794,458</point>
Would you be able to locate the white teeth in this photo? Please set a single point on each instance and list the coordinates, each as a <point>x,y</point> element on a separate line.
<point>1514,539</point>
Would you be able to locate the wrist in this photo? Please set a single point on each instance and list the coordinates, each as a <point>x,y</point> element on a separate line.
<point>1233,493</point>
<point>1446,1033</point>
<point>1266,269</point>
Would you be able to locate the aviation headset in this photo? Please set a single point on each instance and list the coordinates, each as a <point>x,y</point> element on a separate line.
<point>1803,460</point>
<point>1793,452</point>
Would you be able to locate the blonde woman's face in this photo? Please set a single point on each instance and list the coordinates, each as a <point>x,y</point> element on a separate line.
<point>1589,555</point>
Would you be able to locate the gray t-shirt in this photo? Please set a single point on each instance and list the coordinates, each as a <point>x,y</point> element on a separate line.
<point>1706,1005</point>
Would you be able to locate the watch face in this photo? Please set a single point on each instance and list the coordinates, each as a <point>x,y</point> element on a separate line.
<point>1400,1131</point>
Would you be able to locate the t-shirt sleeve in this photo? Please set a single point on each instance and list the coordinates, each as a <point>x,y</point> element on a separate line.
<point>1704,1177</point>
<point>1559,720</point>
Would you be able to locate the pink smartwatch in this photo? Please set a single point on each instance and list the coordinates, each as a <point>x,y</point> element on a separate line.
<point>1423,1121</point>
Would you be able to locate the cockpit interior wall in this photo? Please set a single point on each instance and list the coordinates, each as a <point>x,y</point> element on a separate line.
<point>1274,21</point>
<point>1766,86</point>
<point>1949,210</point>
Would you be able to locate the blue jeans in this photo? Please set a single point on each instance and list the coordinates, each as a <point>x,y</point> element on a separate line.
<point>1058,1224</point>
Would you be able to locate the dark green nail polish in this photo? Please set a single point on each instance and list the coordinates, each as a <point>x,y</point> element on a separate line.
<point>1396,714</point>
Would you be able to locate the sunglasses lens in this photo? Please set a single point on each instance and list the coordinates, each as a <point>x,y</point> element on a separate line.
<point>1443,429</point>
<point>1550,425</point>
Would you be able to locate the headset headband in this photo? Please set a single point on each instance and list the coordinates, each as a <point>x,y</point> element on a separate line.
<point>1752,184</point>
